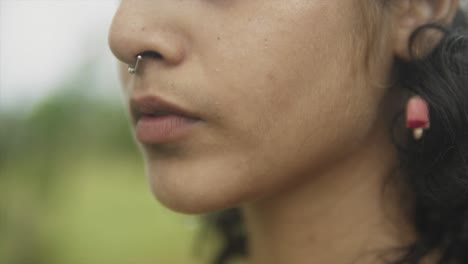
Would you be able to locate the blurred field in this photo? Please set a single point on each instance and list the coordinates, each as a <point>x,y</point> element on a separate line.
<point>97,214</point>
<point>73,190</point>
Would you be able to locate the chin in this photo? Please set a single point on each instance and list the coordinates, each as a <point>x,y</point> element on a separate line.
<point>191,189</point>
<point>189,201</point>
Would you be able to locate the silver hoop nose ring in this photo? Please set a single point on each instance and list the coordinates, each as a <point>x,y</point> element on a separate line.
<point>134,69</point>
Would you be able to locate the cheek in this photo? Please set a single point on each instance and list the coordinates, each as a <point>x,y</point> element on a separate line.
<point>297,98</point>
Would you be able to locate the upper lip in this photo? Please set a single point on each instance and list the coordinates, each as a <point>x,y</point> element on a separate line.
<point>155,105</point>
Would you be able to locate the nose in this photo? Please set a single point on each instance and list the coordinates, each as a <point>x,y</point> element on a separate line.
<point>146,27</point>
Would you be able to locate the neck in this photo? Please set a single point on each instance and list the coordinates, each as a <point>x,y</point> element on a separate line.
<point>337,217</point>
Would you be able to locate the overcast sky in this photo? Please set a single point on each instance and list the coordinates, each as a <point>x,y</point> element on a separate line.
<point>43,41</point>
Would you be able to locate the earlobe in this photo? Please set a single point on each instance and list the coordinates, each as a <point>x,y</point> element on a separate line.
<point>409,15</point>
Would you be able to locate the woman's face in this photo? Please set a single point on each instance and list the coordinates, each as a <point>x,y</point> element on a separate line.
<point>282,88</point>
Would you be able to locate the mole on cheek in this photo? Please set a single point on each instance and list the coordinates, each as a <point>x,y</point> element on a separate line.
<point>271,76</point>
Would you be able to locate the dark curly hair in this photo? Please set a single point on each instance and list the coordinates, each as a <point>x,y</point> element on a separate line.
<point>434,170</point>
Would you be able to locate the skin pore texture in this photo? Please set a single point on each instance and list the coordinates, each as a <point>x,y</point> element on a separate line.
<point>295,105</point>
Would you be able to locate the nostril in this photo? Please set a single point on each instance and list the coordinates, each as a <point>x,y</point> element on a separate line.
<point>152,54</point>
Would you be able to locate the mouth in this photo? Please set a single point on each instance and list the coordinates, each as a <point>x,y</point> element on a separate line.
<point>158,121</point>
<point>154,106</point>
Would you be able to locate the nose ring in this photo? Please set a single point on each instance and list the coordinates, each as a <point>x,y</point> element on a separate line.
<point>133,69</point>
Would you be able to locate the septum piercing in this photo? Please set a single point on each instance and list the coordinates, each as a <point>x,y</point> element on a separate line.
<point>133,69</point>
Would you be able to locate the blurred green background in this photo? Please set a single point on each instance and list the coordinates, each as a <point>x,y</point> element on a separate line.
<point>72,183</point>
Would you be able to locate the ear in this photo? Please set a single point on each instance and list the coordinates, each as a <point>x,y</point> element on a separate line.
<point>409,15</point>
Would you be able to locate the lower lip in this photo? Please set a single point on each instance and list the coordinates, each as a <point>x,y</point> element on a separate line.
<point>162,129</point>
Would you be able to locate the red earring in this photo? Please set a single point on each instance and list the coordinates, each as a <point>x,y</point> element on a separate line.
<point>417,116</point>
